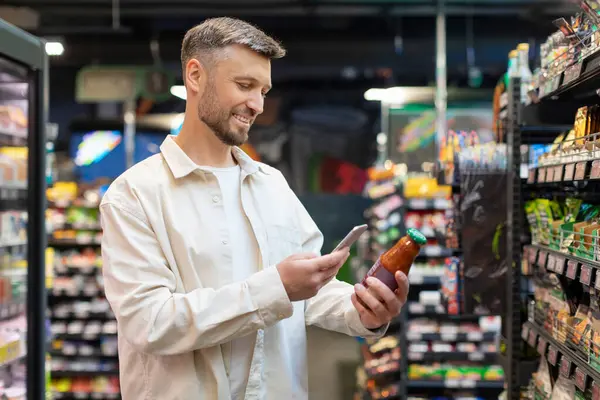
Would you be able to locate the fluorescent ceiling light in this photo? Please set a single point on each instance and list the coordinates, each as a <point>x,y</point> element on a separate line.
<point>178,91</point>
<point>54,48</point>
<point>393,95</point>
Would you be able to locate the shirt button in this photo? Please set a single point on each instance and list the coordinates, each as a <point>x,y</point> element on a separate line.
<point>225,242</point>
<point>215,199</point>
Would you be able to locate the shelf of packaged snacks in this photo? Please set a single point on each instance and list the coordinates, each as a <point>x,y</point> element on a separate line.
<point>439,312</point>
<point>573,267</point>
<point>571,365</point>
<point>58,373</point>
<point>455,384</point>
<point>73,243</point>
<point>432,356</point>
<point>577,81</point>
<point>97,354</point>
<point>85,396</point>
<point>452,336</point>
<point>415,204</point>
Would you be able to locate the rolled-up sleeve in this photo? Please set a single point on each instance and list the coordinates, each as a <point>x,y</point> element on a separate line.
<point>140,288</point>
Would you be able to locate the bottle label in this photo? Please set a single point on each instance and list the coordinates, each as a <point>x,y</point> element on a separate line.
<point>378,271</point>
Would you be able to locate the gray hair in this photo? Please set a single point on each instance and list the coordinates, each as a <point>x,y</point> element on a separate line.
<point>217,33</point>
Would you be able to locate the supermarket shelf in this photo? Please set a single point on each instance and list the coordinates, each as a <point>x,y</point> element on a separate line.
<point>72,243</point>
<point>77,374</point>
<point>78,355</point>
<point>572,365</point>
<point>78,227</point>
<point>70,270</point>
<point>13,137</point>
<point>11,310</point>
<point>79,203</point>
<point>85,396</point>
<point>573,267</point>
<point>82,336</point>
<point>428,204</point>
<point>424,280</point>
<point>452,337</point>
<point>78,294</point>
<point>452,356</point>
<point>100,317</point>
<point>434,250</point>
<point>438,312</point>
<point>455,384</point>
<point>13,243</point>
<point>577,82</point>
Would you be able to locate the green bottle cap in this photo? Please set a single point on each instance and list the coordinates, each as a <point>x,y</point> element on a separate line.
<point>416,236</point>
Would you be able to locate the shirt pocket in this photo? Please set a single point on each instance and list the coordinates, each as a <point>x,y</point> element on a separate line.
<point>283,241</point>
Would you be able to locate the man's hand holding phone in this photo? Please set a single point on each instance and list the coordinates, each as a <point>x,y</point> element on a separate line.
<point>303,275</point>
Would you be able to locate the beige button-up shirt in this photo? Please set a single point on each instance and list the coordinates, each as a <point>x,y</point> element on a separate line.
<point>167,273</point>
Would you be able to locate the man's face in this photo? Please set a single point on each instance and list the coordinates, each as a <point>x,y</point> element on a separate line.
<point>234,94</point>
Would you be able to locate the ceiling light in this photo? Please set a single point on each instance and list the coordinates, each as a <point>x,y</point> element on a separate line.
<point>178,91</point>
<point>54,48</point>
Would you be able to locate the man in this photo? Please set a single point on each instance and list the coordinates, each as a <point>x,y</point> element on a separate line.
<point>211,263</point>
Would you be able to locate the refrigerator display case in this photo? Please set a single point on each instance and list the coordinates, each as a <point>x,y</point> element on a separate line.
<point>23,116</point>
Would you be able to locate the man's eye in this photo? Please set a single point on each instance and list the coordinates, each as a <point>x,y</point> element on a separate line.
<point>243,85</point>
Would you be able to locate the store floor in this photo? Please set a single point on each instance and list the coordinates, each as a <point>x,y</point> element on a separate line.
<point>330,359</point>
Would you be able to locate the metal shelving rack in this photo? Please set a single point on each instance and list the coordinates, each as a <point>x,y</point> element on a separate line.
<point>514,222</point>
<point>541,122</point>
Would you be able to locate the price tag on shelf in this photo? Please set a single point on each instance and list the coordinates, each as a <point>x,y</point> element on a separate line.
<point>597,286</point>
<point>555,83</point>
<point>417,308</point>
<point>551,262</point>
<point>525,332</point>
<point>415,356</point>
<point>469,384</point>
<point>580,379</point>
<point>559,265</point>
<point>474,336</point>
<point>580,170</point>
<point>552,355</point>
<point>532,338</point>
<point>550,174</point>
<point>531,176</point>
<point>14,309</point>
<point>569,173</point>
<point>596,391</point>
<point>476,356</point>
<point>441,204</point>
<point>532,255</point>
<point>417,204</point>
<point>433,251</point>
<point>586,275</point>
<point>4,312</point>
<point>413,336</point>
<point>542,345</point>
<point>572,269</point>
<point>558,173</point>
<point>565,367</point>
<point>541,175</point>
<point>572,73</point>
<point>452,383</point>
<point>542,259</point>
<point>448,336</point>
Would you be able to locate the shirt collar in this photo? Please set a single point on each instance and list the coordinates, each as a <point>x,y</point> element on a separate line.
<point>181,165</point>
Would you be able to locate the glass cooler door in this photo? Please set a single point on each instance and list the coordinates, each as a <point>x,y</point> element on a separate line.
<point>22,203</point>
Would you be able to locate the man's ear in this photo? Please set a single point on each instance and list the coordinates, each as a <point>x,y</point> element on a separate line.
<point>195,76</point>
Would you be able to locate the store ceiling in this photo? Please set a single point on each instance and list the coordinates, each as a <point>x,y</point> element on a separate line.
<point>322,36</point>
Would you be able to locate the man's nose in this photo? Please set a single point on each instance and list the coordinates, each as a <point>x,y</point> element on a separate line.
<point>256,104</point>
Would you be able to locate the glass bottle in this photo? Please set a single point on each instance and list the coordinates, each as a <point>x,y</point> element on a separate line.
<point>399,258</point>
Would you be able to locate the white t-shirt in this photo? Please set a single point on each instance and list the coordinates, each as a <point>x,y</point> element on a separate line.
<point>245,261</point>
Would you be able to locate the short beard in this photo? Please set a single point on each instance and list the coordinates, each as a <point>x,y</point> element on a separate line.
<point>217,119</point>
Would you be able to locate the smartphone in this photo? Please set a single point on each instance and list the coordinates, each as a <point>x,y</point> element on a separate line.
<point>351,237</point>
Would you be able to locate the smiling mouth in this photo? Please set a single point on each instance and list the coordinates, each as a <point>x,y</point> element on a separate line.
<point>242,119</point>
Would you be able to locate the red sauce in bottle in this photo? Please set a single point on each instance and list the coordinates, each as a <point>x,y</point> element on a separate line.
<point>399,258</point>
